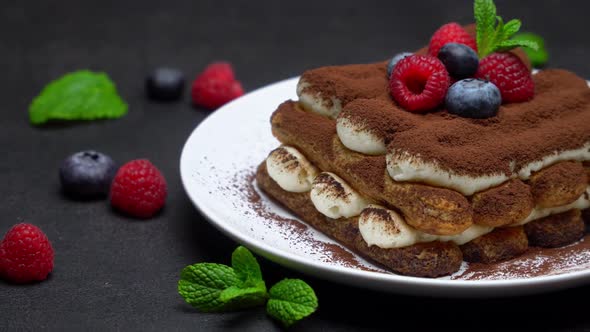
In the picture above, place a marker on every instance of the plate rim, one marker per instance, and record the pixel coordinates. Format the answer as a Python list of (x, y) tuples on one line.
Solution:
[(284, 258)]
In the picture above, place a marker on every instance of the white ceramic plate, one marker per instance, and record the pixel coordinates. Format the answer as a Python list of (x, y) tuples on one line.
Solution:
[(216, 168)]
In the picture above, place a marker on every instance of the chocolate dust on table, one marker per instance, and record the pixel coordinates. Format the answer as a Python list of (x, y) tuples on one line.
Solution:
[(292, 229), (534, 263)]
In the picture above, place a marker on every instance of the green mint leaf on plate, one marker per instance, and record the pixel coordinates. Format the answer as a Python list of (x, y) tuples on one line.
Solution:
[(80, 95), (246, 267), (537, 56), (202, 284), (290, 301), (492, 34)]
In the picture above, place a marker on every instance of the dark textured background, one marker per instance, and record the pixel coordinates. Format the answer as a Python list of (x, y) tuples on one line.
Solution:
[(116, 273)]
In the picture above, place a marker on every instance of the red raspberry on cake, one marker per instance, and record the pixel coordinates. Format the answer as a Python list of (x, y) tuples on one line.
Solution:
[(450, 33), (139, 189), (509, 74), (26, 255), (216, 86), (419, 83)]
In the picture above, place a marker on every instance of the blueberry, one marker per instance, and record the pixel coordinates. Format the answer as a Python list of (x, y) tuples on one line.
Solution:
[(396, 58), (461, 60), (87, 174), (165, 84), (473, 98)]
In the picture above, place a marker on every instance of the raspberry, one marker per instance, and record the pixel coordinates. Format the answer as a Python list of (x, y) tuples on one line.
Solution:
[(419, 83), (219, 70), (26, 254), (215, 86), (450, 33), (509, 74), (138, 189)]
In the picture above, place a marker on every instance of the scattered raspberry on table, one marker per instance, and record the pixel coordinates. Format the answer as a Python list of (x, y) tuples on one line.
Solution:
[(139, 189), (26, 255), (216, 86)]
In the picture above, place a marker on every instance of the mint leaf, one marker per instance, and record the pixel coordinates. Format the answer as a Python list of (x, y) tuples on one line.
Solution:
[(485, 20), (511, 28), (80, 95), (246, 266), (512, 43), (291, 300), (236, 293), (539, 56), (251, 289), (238, 298), (492, 34), (202, 284)]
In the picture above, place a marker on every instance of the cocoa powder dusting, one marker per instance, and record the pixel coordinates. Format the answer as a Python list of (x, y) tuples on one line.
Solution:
[(534, 263), (331, 188), (356, 81), (289, 161), (556, 119), (513, 199), (255, 201), (295, 230)]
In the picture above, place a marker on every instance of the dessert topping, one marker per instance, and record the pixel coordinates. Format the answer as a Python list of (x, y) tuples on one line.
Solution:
[(450, 33), (419, 83), (395, 60), (537, 57), (510, 75), (492, 34), (473, 98), (26, 255), (460, 60)]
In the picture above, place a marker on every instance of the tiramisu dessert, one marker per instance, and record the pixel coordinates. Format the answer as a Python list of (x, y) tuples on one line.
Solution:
[(453, 153)]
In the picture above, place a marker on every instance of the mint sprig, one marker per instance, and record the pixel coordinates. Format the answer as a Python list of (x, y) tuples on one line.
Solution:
[(212, 287), (80, 95), (538, 57), (246, 266), (492, 34), (201, 285), (291, 300), (250, 291)]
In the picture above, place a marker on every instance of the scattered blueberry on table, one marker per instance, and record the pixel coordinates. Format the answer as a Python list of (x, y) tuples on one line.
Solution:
[(165, 84), (87, 174)]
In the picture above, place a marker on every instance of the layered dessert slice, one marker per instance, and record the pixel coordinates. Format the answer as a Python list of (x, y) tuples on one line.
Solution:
[(419, 189)]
